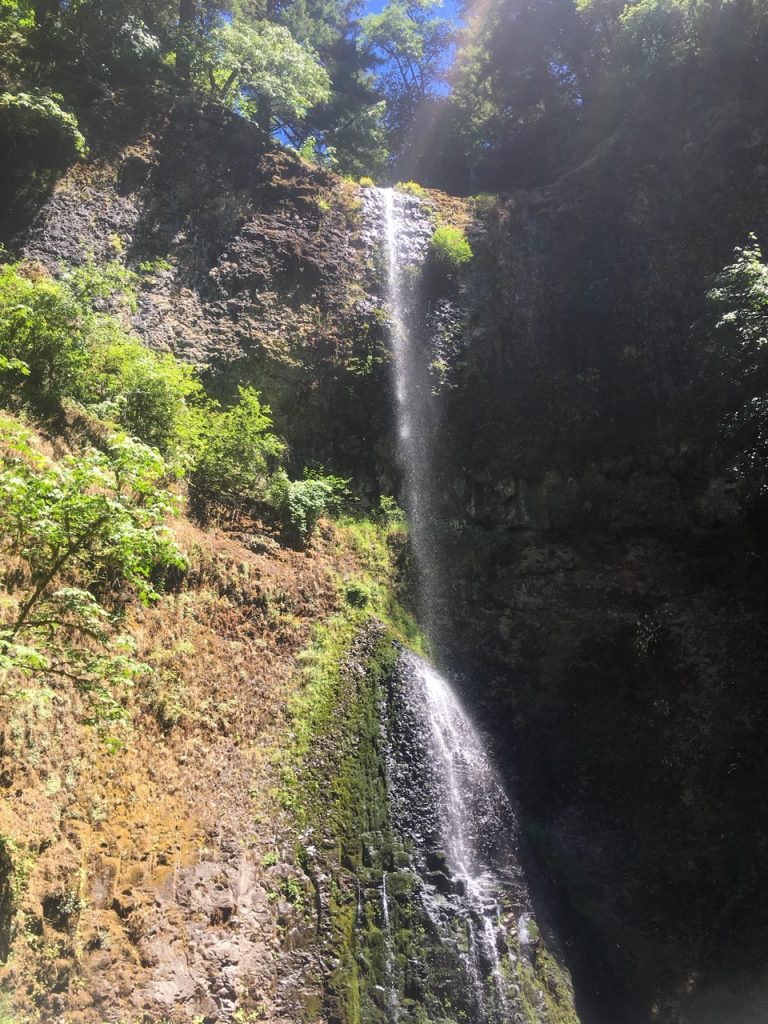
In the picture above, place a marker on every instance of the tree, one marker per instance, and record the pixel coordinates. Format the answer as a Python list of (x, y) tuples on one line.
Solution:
[(411, 47), (260, 70), (238, 454), (350, 123), (519, 82), (72, 529)]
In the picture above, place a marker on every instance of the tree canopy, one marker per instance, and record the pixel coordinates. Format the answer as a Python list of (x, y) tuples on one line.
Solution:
[(514, 92)]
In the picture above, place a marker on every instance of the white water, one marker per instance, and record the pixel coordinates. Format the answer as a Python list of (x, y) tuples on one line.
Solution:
[(475, 820), (407, 233)]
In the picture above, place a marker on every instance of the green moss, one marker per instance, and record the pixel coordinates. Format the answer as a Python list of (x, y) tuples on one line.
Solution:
[(15, 869), (6, 1010), (545, 990), (332, 781)]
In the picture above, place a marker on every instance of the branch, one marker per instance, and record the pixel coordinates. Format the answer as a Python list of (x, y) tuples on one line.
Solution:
[(56, 568)]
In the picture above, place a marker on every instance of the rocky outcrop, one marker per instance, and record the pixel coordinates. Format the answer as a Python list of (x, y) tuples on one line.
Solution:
[(251, 262), (152, 874)]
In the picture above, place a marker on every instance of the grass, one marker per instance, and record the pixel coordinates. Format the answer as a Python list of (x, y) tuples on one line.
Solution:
[(320, 708)]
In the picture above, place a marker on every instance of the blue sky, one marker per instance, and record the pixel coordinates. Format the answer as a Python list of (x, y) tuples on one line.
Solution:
[(450, 7)]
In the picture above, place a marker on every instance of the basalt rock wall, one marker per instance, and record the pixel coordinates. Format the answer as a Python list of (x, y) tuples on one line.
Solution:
[(604, 569)]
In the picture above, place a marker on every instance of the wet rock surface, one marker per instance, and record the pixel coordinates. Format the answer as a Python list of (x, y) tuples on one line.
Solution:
[(605, 568)]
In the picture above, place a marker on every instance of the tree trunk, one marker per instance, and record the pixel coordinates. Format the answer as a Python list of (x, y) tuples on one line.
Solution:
[(264, 114), (45, 9), (184, 48)]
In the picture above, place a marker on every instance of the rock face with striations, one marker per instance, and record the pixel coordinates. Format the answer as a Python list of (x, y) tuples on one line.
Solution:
[(607, 567), (252, 263)]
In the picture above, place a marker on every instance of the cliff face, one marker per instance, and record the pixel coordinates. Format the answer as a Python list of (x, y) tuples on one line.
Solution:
[(604, 586), (170, 875), (607, 566), (254, 266)]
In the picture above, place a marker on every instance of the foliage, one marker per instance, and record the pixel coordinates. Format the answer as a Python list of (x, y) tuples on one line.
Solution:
[(37, 125), (274, 62), (411, 188), (449, 248), (351, 121), (238, 454), (538, 84), (43, 332), (302, 503), (154, 396), (738, 345), (54, 346), (411, 46), (75, 530), (389, 512), (91, 281), (263, 72), (740, 302), (357, 594)]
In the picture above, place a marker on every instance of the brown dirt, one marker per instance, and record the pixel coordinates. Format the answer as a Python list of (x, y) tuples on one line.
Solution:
[(150, 878)]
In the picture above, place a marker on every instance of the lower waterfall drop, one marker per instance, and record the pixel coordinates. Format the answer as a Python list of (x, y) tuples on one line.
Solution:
[(454, 815)]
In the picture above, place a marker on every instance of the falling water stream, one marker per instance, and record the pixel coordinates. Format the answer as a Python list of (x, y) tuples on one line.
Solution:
[(446, 798)]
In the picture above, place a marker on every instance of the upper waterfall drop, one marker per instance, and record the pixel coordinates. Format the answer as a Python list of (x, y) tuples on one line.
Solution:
[(407, 231)]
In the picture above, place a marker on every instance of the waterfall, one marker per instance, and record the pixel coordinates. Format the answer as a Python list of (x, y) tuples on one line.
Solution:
[(407, 233), (448, 806)]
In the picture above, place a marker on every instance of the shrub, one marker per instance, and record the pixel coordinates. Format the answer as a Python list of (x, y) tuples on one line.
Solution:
[(484, 203), (154, 396), (43, 332), (358, 594), (389, 512), (412, 188), (367, 182), (53, 345), (301, 503), (237, 453), (91, 281), (38, 126), (74, 529), (449, 248)]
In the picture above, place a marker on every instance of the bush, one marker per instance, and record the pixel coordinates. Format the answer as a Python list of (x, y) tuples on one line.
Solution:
[(155, 397), (412, 188), (43, 337), (301, 503), (389, 512), (71, 531), (237, 453), (358, 594), (54, 346), (37, 126), (484, 203), (449, 248)]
